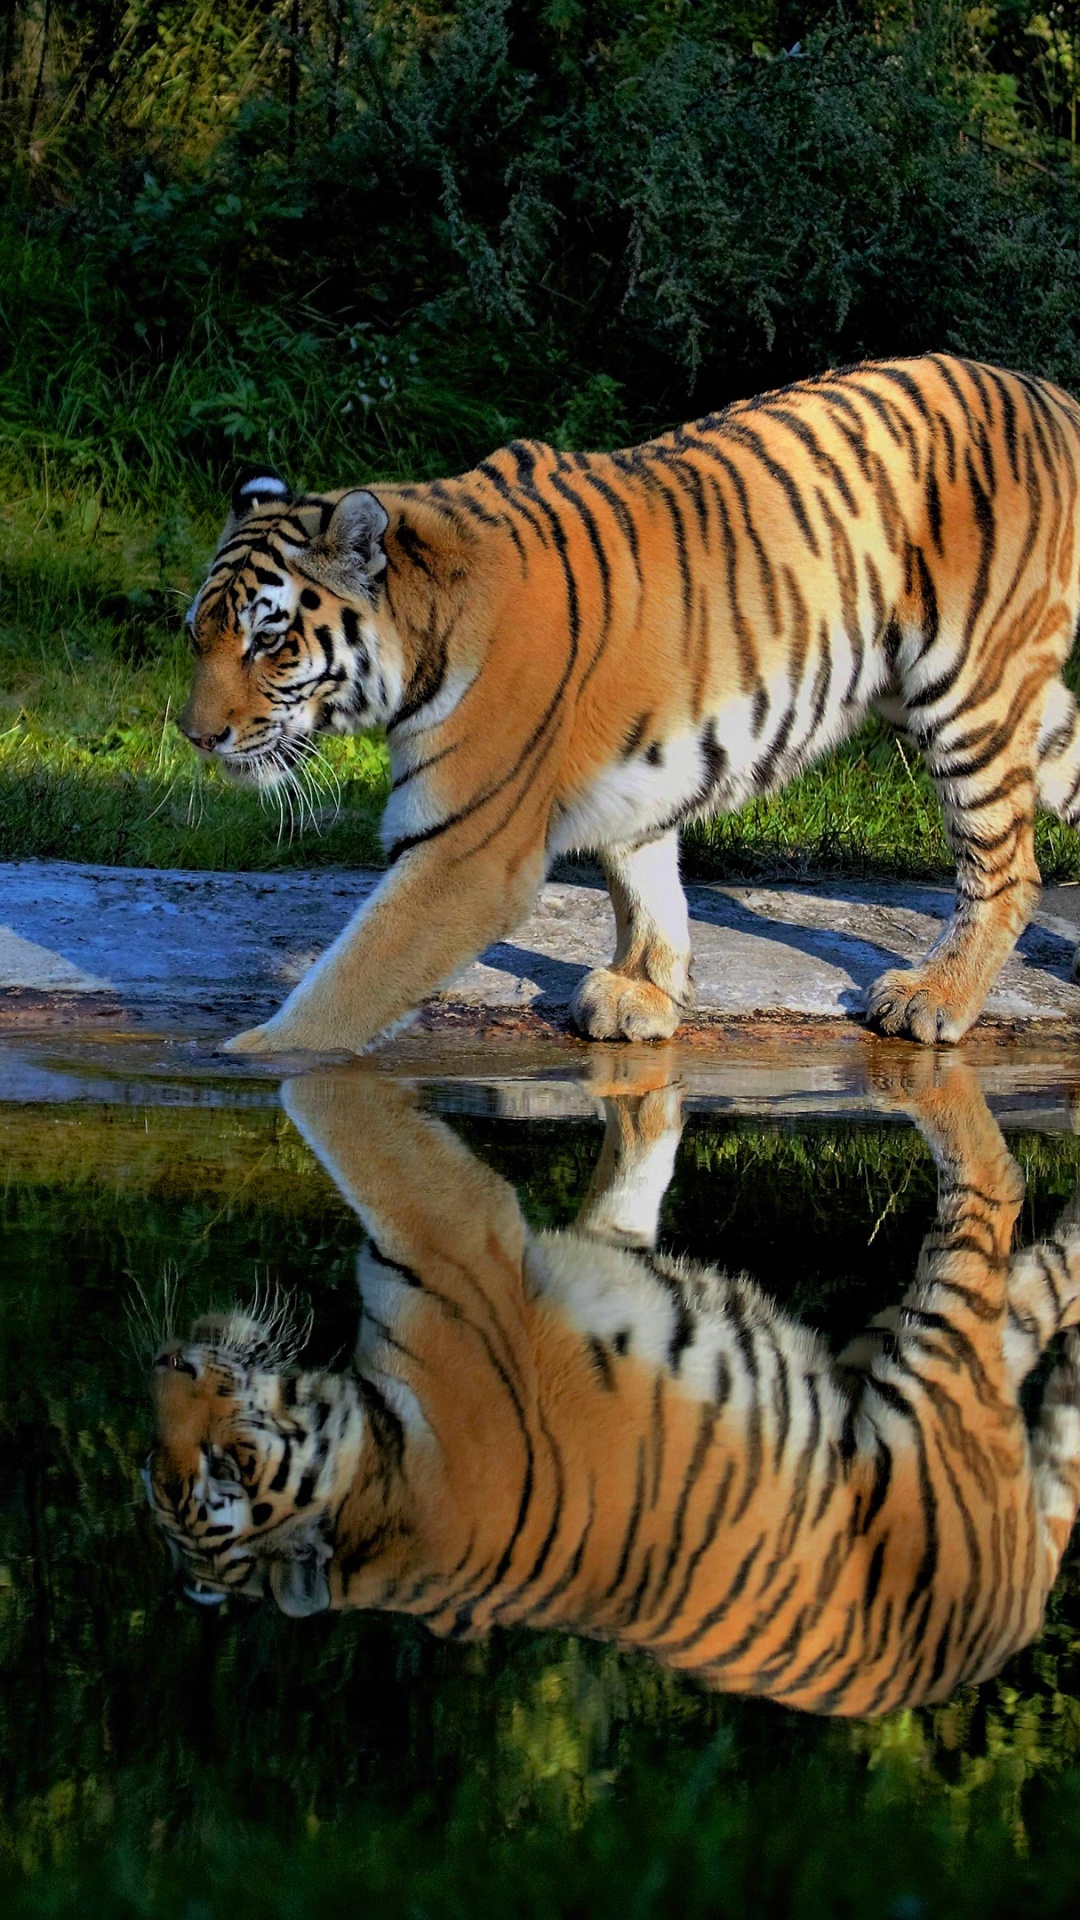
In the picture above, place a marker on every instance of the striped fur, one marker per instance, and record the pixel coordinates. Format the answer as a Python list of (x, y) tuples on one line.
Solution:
[(582, 651), (568, 1429)]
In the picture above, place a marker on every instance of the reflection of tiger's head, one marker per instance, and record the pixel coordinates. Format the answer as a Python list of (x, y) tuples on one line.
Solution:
[(250, 1463), (288, 633)]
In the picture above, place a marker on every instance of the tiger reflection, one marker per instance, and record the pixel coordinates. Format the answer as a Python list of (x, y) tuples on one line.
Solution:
[(570, 1429)]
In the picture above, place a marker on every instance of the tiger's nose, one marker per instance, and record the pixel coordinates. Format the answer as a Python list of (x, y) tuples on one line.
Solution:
[(206, 742)]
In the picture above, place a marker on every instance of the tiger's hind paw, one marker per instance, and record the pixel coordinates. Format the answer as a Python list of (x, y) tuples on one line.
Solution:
[(612, 1006), (910, 1004)]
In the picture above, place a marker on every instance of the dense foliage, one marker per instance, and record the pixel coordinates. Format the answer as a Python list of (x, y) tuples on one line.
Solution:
[(370, 237)]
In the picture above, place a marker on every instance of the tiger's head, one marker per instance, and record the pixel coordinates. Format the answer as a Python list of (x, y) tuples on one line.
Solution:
[(286, 628), (250, 1464)]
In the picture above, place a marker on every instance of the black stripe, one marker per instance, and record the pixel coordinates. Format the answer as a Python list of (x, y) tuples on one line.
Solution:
[(744, 1340), (1008, 413), (746, 437), (637, 1507), (513, 499), (708, 1535), (822, 459), (600, 1360), (573, 1567), (637, 465), (673, 1649), (541, 1558), (873, 1575), (627, 526), (984, 520), (758, 1625), (707, 1419), (768, 578)]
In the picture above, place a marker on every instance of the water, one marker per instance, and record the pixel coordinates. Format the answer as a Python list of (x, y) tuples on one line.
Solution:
[(158, 1756)]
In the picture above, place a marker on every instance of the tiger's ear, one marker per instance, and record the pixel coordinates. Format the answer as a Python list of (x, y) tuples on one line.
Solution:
[(350, 552), (254, 486)]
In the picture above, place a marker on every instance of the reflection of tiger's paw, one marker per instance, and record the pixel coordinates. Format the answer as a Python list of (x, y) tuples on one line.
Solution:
[(913, 1003), (941, 1093), (612, 1006), (659, 1114), (622, 1072), (904, 1078)]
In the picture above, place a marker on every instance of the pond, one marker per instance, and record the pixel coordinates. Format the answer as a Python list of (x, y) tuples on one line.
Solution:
[(642, 1600)]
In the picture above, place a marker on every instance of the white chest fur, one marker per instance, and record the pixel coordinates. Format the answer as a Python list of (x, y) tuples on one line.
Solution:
[(635, 796)]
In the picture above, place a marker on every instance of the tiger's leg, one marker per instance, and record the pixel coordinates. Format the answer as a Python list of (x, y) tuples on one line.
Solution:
[(637, 1160), (1059, 765), (929, 1380), (1055, 1451), (426, 1200), (1044, 1300), (1044, 1293), (980, 1190), (985, 780), (437, 908), (646, 990)]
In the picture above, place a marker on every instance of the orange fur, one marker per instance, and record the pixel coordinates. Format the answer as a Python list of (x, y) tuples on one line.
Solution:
[(569, 1430), (584, 650)]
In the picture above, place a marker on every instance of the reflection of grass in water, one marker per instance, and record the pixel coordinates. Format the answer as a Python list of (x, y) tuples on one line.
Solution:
[(234, 1156), (692, 1830), (152, 1758)]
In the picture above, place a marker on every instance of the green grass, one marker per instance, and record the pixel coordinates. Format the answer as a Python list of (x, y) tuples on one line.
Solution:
[(93, 669)]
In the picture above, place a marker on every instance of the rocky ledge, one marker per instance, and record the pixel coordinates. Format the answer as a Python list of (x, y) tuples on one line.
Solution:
[(163, 947)]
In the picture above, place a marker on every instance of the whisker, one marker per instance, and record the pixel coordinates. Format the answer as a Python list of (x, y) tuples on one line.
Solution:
[(150, 1330)]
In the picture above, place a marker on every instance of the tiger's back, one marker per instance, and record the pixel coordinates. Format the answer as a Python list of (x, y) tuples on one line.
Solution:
[(739, 591)]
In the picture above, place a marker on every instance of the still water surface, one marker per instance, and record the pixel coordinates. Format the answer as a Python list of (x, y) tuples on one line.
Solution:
[(639, 1523)]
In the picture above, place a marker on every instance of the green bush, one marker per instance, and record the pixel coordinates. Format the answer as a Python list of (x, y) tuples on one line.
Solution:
[(372, 239), (413, 234)]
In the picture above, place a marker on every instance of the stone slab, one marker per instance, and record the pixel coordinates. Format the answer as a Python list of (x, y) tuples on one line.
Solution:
[(154, 945)]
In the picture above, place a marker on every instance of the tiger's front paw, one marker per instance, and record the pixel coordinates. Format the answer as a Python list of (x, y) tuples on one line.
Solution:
[(288, 1034), (912, 1004), (253, 1040), (612, 1006)]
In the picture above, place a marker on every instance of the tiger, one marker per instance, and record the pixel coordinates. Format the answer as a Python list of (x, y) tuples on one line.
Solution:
[(568, 1429), (579, 652)]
